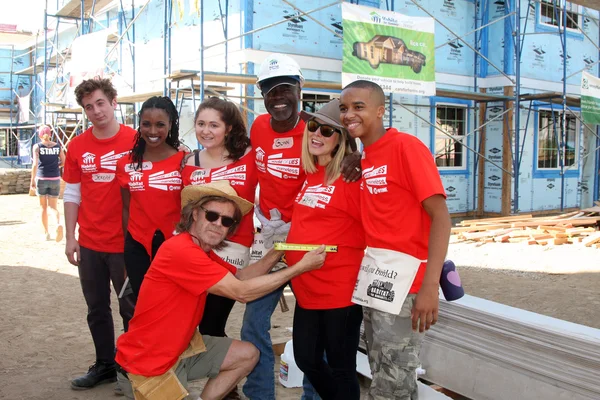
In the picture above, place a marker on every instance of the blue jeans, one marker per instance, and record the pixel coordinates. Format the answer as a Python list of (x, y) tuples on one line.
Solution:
[(260, 384)]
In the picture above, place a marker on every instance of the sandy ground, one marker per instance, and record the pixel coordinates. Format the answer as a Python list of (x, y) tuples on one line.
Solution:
[(44, 339), (560, 281)]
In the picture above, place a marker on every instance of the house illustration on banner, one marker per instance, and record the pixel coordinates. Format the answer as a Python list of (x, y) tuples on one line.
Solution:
[(388, 50)]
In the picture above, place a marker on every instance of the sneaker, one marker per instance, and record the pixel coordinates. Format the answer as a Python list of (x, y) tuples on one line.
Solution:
[(48, 237), (100, 372), (118, 391), (59, 233)]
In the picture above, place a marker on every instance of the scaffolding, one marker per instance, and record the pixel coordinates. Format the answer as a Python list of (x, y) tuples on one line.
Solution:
[(195, 85)]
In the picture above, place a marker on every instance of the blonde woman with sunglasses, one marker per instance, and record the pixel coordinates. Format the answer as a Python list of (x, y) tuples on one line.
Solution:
[(327, 211)]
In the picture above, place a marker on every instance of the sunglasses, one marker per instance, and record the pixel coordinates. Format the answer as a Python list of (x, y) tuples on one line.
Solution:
[(326, 130), (212, 216)]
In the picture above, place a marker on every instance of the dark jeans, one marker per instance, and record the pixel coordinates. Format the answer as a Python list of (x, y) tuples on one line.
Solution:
[(335, 331), (216, 312), (96, 271), (137, 259)]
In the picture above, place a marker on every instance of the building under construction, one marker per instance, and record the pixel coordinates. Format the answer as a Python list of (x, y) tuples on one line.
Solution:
[(504, 126)]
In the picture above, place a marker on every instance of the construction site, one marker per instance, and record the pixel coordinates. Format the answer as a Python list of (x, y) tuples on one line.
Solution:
[(519, 165)]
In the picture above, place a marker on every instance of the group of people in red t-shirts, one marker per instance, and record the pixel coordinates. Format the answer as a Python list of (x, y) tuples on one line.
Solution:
[(180, 224)]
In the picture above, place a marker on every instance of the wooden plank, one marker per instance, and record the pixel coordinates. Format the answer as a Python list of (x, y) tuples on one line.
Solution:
[(503, 237), (552, 228), (524, 233), (507, 153), (517, 239), (477, 228), (481, 160), (73, 7), (542, 237), (495, 219), (559, 234), (577, 231), (574, 222), (592, 239), (478, 235), (566, 215), (137, 97)]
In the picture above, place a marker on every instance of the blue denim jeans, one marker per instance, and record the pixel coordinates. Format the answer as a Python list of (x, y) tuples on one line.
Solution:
[(260, 384)]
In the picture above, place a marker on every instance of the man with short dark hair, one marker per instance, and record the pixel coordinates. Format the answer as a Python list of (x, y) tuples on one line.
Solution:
[(162, 346), (401, 187), (92, 199)]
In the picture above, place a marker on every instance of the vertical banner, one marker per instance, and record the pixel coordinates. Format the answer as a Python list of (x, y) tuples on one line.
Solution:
[(590, 98), (393, 50), (25, 151)]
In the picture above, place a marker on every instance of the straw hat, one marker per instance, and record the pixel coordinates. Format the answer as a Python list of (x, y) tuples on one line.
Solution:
[(220, 188)]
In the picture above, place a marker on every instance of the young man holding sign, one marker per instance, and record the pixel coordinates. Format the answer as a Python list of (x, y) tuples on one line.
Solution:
[(407, 227)]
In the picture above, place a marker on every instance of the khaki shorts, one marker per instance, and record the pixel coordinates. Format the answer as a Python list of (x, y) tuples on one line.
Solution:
[(204, 365)]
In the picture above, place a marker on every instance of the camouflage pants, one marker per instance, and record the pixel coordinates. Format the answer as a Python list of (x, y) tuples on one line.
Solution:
[(393, 349)]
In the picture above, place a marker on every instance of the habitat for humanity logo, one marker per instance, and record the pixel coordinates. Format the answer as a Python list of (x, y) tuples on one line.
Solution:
[(379, 19)]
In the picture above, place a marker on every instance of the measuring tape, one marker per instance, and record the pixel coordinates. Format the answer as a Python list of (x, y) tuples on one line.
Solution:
[(303, 247)]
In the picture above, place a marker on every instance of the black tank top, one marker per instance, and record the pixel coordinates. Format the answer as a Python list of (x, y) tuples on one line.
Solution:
[(48, 161)]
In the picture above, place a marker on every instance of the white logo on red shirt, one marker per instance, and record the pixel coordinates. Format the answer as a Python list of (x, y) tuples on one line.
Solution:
[(109, 160), (233, 175), (283, 143), (285, 168), (260, 157), (89, 165), (136, 176), (317, 196), (166, 182), (376, 179), (88, 158)]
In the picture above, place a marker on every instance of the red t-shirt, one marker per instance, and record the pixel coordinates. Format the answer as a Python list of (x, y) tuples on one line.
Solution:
[(155, 201), (327, 214), (280, 172), (242, 177), (169, 307), (398, 173), (93, 162)]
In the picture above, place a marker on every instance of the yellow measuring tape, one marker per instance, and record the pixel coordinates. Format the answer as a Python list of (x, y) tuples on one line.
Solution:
[(303, 247)]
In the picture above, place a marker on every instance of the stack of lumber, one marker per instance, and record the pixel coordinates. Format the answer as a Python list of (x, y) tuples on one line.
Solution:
[(578, 227), (13, 181), (489, 351)]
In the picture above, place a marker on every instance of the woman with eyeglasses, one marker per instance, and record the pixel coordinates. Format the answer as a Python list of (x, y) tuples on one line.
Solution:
[(327, 211), (226, 155), (150, 181)]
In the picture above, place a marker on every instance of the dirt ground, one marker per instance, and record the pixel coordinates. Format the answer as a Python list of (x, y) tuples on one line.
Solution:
[(44, 338)]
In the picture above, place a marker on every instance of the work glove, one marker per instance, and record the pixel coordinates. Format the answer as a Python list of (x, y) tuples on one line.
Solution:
[(273, 229)]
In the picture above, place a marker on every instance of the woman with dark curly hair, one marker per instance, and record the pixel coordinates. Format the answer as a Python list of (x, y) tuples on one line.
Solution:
[(150, 181), (226, 155)]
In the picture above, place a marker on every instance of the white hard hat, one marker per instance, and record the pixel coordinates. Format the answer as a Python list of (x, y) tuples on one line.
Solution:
[(279, 65)]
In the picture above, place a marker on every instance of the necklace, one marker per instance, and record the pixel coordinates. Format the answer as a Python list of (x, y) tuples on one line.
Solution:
[(295, 125)]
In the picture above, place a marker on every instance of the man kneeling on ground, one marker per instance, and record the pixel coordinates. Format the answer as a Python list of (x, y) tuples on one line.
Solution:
[(162, 350)]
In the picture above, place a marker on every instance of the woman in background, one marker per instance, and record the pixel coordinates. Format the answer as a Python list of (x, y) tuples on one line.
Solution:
[(48, 157)]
